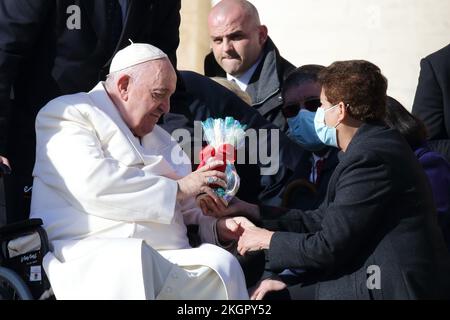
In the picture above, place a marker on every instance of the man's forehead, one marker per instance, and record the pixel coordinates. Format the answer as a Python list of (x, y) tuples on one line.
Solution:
[(309, 87), (223, 22)]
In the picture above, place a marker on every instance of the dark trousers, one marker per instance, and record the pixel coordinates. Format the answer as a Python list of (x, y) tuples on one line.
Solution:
[(298, 288), (253, 266)]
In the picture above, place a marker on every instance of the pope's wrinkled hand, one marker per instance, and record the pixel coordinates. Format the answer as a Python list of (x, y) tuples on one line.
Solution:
[(231, 228), (200, 180), (236, 207)]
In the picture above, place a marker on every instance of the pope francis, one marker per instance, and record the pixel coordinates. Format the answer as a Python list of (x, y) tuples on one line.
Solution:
[(114, 200)]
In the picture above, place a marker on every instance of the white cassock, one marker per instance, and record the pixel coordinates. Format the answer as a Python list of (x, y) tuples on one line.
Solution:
[(108, 202)]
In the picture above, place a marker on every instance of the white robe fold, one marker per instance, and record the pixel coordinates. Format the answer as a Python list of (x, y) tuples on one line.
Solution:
[(108, 202)]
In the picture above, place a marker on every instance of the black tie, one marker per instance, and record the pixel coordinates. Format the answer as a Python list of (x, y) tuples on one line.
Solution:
[(114, 16)]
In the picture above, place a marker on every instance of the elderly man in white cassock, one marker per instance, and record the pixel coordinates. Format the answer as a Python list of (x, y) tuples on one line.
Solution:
[(116, 192)]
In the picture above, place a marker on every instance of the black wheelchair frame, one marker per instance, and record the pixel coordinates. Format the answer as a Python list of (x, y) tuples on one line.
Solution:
[(22, 276)]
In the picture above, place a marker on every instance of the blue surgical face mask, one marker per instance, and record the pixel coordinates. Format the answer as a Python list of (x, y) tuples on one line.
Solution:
[(325, 133), (301, 129)]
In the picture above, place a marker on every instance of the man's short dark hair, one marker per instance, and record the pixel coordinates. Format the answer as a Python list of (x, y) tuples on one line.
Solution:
[(303, 74)]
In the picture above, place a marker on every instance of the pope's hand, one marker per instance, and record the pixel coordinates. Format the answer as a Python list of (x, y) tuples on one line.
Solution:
[(236, 207), (230, 229), (200, 180)]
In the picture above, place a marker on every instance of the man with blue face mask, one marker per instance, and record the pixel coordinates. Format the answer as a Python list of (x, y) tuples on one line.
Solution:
[(307, 185), (303, 131)]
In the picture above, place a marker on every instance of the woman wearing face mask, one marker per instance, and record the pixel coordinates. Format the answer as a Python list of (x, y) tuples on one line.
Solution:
[(375, 236), (307, 186)]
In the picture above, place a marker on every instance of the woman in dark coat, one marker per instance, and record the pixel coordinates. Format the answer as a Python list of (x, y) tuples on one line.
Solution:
[(375, 236)]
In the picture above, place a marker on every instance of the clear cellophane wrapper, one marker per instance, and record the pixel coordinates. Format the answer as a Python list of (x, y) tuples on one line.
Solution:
[(224, 137)]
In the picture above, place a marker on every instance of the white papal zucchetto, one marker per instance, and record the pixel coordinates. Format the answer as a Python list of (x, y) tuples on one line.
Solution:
[(134, 54)]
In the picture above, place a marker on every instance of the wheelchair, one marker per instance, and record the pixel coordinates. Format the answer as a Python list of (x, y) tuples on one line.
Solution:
[(22, 247)]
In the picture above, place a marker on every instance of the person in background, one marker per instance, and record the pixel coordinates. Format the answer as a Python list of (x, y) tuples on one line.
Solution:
[(307, 185), (432, 99), (242, 52), (436, 167)]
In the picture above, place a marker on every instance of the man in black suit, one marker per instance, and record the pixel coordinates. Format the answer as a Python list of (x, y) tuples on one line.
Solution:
[(432, 100), (375, 236), (243, 52), (307, 186), (52, 48)]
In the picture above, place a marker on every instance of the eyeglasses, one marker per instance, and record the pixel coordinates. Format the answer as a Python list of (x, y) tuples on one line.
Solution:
[(291, 110)]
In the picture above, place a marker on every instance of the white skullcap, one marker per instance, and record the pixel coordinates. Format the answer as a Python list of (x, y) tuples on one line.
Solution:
[(134, 54)]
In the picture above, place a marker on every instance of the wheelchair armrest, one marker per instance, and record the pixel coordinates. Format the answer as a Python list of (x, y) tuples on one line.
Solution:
[(22, 248), (19, 228)]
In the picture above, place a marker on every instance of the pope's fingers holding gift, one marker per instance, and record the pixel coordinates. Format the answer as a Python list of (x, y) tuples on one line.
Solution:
[(224, 138), (200, 180)]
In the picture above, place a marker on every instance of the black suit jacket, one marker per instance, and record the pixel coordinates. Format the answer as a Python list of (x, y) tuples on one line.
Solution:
[(378, 211), (300, 198), (432, 100), (41, 58)]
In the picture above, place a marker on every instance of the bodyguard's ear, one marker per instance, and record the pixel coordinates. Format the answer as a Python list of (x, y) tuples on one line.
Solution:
[(262, 34), (123, 86)]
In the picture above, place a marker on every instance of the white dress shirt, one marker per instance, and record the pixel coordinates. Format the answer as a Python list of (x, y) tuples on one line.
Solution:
[(243, 80)]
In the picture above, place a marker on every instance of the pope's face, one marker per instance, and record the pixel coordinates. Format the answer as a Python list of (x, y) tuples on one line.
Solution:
[(148, 96)]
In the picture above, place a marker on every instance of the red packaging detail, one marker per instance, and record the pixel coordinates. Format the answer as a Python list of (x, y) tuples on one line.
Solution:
[(224, 152)]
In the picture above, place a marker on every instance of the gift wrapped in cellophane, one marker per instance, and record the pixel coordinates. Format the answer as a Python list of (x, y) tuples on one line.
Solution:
[(224, 138)]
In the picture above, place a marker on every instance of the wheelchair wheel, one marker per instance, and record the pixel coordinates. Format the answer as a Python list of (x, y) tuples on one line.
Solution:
[(12, 287)]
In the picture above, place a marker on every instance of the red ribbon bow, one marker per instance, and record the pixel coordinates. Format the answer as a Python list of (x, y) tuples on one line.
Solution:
[(225, 152)]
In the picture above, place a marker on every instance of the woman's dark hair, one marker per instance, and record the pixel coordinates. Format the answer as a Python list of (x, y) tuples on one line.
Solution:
[(360, 85), (411, 128)]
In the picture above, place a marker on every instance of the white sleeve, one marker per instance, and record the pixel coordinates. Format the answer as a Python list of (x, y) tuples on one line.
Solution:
[(70, 159), (206, 225)]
